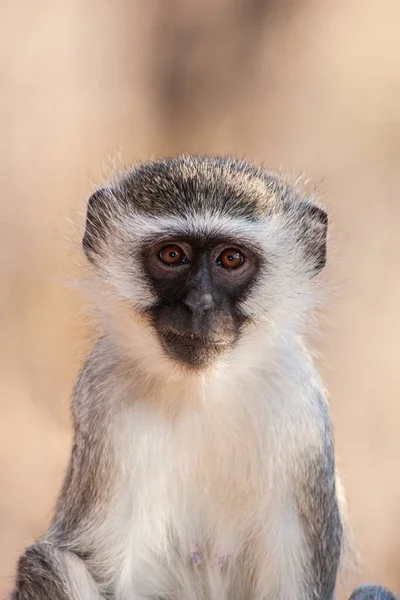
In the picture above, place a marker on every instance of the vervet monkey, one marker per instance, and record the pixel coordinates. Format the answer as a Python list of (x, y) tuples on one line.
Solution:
[(203, 463)]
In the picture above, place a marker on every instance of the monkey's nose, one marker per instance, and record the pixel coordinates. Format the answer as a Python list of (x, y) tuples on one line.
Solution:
[(199, 301)]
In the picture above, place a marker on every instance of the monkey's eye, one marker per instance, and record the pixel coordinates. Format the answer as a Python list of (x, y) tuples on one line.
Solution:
[(172, 255), (230, 259)]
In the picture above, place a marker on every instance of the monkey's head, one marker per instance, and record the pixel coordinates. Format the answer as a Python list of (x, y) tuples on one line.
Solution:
[(193, 254)]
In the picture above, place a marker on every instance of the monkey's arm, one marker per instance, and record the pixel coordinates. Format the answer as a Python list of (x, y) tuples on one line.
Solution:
[(62, 565), (320, 513), (48, 573), (53, 568)]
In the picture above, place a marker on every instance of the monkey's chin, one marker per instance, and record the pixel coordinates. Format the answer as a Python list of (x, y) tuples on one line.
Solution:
[(193, 352)]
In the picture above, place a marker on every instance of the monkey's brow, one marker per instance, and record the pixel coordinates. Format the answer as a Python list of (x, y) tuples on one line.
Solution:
[(202, 239), (196, 224)]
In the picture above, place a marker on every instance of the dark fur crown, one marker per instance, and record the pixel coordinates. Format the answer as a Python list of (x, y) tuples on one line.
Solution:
[(205, 185), (223, 185)]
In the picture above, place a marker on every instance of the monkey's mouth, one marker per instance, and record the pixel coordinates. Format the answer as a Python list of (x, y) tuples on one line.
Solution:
[(192, 349), (195, 338)]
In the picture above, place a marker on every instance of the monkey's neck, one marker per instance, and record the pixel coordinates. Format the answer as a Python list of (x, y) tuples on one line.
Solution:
[(246, 373)]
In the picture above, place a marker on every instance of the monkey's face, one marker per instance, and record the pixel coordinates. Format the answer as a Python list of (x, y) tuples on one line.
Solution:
[(196, 258), (199, 283)]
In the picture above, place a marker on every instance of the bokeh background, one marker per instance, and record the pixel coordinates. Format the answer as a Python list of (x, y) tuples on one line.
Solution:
[(304, 86)]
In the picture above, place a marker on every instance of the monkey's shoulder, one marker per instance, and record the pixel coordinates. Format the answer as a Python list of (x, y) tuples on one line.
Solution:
[(100, 385)]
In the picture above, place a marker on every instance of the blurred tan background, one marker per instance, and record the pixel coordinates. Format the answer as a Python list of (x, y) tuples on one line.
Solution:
[(303, 86)]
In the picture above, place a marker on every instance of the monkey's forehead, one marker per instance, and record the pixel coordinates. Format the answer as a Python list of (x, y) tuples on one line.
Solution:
[(199, 184)]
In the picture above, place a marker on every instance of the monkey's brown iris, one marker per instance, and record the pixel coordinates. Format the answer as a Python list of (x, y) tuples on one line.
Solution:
[(231, 259), (172, 255)]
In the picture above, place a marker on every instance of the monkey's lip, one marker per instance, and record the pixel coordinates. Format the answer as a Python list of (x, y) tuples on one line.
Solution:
[(172, 335), (193, 350)]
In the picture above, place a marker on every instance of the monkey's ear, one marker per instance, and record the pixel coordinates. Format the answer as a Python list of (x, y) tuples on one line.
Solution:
[(98, 216), (312, 226)]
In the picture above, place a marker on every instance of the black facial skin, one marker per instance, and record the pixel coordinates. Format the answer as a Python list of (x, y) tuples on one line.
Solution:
[(197, 315)]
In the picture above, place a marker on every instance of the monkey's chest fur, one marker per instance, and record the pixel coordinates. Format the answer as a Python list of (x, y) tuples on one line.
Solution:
[(194, 504)]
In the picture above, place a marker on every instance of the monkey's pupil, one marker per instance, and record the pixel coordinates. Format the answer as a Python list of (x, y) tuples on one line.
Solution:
[(172, 255), (231, 259)]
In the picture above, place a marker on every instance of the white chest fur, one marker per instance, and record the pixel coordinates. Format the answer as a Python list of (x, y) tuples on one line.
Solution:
[(197, 488)]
